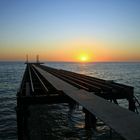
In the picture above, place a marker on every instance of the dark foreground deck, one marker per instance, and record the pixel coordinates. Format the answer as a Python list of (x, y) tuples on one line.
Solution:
[(45, 85)]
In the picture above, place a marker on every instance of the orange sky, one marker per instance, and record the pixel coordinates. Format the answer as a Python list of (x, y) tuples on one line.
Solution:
[(66, 30), (71, 50)]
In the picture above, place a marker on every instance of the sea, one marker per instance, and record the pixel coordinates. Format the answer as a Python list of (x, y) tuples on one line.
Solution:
[(58, 121)]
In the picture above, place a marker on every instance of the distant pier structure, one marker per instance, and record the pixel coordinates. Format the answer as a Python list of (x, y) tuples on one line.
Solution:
[(45, 85), (36, 62), (27, 59), (37, 59)]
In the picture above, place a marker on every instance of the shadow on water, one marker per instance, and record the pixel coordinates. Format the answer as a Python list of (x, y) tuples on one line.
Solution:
[(64, 122)]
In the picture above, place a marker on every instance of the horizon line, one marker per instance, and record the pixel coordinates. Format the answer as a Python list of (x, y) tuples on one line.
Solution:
[(72, 61)]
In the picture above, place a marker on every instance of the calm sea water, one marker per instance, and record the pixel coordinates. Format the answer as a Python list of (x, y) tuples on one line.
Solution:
[(68, 125)]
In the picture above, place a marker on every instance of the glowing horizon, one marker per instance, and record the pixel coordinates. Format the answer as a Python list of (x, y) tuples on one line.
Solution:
[(65, 30)]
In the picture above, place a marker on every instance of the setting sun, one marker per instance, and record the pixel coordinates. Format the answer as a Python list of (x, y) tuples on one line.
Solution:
[(84, 58)]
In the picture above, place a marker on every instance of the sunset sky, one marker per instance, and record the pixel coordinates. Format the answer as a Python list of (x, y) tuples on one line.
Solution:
[(69, 30)]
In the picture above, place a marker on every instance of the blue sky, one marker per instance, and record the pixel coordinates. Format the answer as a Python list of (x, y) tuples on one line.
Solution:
[(58, 20), (44, 19)]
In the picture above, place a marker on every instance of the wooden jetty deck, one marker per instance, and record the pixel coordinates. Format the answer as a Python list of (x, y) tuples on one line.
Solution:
[(45, 85)]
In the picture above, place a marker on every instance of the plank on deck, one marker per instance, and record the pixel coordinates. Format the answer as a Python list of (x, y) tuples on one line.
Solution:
[(123, 121)]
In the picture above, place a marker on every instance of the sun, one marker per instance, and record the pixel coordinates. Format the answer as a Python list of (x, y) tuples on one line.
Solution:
[(83, 58)]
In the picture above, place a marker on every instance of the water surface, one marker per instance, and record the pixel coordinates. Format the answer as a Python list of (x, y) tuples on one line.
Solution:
[(68, 125)]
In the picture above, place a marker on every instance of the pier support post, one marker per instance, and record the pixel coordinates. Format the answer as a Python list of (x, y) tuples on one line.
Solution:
[(22, 118), (130, 98), (90, 119), (19, 123), (132, 105), (72, 105)]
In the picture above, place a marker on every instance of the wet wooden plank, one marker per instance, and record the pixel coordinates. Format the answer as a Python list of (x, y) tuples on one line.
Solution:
[(123, 121)]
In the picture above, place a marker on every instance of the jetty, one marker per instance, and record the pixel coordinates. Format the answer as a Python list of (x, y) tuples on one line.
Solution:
[(98, 97)]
